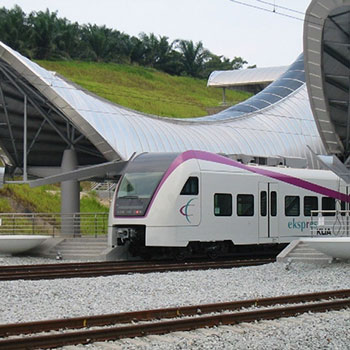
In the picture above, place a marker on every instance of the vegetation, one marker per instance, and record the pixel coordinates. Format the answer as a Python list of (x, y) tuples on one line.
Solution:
[(147, 73), (45, 36), (5, 206), (44, 199), (145, 89)]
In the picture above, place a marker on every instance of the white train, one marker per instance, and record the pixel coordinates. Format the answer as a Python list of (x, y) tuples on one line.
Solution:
[(202, 203)]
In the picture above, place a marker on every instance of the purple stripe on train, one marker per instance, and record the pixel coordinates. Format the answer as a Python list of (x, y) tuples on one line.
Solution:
[(211, 157)]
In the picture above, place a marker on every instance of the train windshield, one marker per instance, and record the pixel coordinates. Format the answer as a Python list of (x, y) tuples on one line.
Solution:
[(139, 183)]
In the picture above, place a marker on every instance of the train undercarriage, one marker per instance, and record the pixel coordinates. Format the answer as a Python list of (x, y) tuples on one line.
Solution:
[(132, 238)]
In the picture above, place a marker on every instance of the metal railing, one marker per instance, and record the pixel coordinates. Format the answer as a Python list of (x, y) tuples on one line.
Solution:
[(53, 224), (103, 186), (330, 223)]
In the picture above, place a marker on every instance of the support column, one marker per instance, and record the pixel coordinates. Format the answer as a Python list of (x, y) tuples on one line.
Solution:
[(70, 197), (25, 126), (223, 96)]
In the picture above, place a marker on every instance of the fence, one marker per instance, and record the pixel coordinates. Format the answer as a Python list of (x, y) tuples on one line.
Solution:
[(331, 223), (82, 224)]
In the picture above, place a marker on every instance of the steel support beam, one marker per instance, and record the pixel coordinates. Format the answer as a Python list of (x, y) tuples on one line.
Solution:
[(25, 125), (71, 130), (36, 136), (339, 26), (336, 84), (39, 109), (7, 120), (337, 56)]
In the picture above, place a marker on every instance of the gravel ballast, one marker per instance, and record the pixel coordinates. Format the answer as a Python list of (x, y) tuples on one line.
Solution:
[(22, 301)]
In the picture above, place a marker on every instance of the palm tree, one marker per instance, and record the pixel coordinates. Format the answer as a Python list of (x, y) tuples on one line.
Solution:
[(68, 39), (14, 30), (97, 38), (44, 33), (193, 56)]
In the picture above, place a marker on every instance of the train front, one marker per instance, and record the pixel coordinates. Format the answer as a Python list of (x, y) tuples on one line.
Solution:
[(132, 200)]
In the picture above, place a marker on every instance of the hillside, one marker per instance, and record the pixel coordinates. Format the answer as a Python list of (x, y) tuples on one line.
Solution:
[(145, 89), (44, 199)]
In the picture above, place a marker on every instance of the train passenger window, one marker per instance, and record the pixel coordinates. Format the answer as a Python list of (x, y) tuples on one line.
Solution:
[(328, 204), (263, 203), (310, 203), (245, 205), (191, 186), (273, 197), (222, 204), (292, 205)]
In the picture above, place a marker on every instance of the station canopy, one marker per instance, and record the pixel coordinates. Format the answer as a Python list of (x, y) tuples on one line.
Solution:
[(327, 66), (251, 79), (42, 114)]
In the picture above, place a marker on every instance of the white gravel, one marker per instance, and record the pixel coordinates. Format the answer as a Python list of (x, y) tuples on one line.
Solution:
[(22, 301)]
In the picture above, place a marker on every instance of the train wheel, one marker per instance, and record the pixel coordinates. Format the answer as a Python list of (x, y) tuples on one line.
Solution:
[(180, 254), (213, 254)]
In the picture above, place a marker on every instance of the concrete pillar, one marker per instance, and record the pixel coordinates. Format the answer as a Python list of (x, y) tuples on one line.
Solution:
[(70, 197)]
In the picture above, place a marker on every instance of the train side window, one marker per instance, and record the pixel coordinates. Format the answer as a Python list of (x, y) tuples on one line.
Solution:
[(191, 186), (310, 203), (222, 204), (263, 203), (292, 205), (273, 196), (245, 205), (328, 204)]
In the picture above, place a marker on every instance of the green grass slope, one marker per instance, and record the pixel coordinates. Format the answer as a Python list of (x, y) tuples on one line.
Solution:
[(144, 89), (43, 199)]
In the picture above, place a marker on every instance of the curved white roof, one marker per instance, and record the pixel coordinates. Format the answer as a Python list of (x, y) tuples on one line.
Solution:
[(277, 121), (326, 50), (251, 76)]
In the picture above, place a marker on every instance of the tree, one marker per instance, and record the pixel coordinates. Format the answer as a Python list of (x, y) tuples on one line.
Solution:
[(119, 47), (14, 30), (215, 63), (238, 63), (221, 63), (68, 39), (43, 34), (159, 53), (194, 56), (97, 40)]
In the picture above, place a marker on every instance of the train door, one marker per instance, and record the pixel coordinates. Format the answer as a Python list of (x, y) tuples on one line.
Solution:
[(345, 221), (345, 205), (268, 219)]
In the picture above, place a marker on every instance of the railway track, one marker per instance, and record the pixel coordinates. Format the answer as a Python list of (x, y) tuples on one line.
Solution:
[(111, 327), (95, 269)]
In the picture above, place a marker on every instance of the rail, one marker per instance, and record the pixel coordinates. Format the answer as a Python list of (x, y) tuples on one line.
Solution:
[(81, 224), (97, 269), (113, 327), (330, 223)]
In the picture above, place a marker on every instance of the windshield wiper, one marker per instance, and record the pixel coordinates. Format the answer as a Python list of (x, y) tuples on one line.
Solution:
[(130, 197)]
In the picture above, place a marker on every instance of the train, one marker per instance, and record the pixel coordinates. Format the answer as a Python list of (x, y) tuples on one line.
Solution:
[(200, 203)]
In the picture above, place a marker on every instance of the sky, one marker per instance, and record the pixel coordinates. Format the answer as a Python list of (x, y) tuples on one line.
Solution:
[(225, 27)]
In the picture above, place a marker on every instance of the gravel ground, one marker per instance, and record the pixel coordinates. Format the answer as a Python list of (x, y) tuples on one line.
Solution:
[(22, 301)]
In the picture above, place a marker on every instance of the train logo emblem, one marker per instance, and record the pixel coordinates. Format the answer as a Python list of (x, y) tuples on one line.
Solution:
[(184, 210)]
